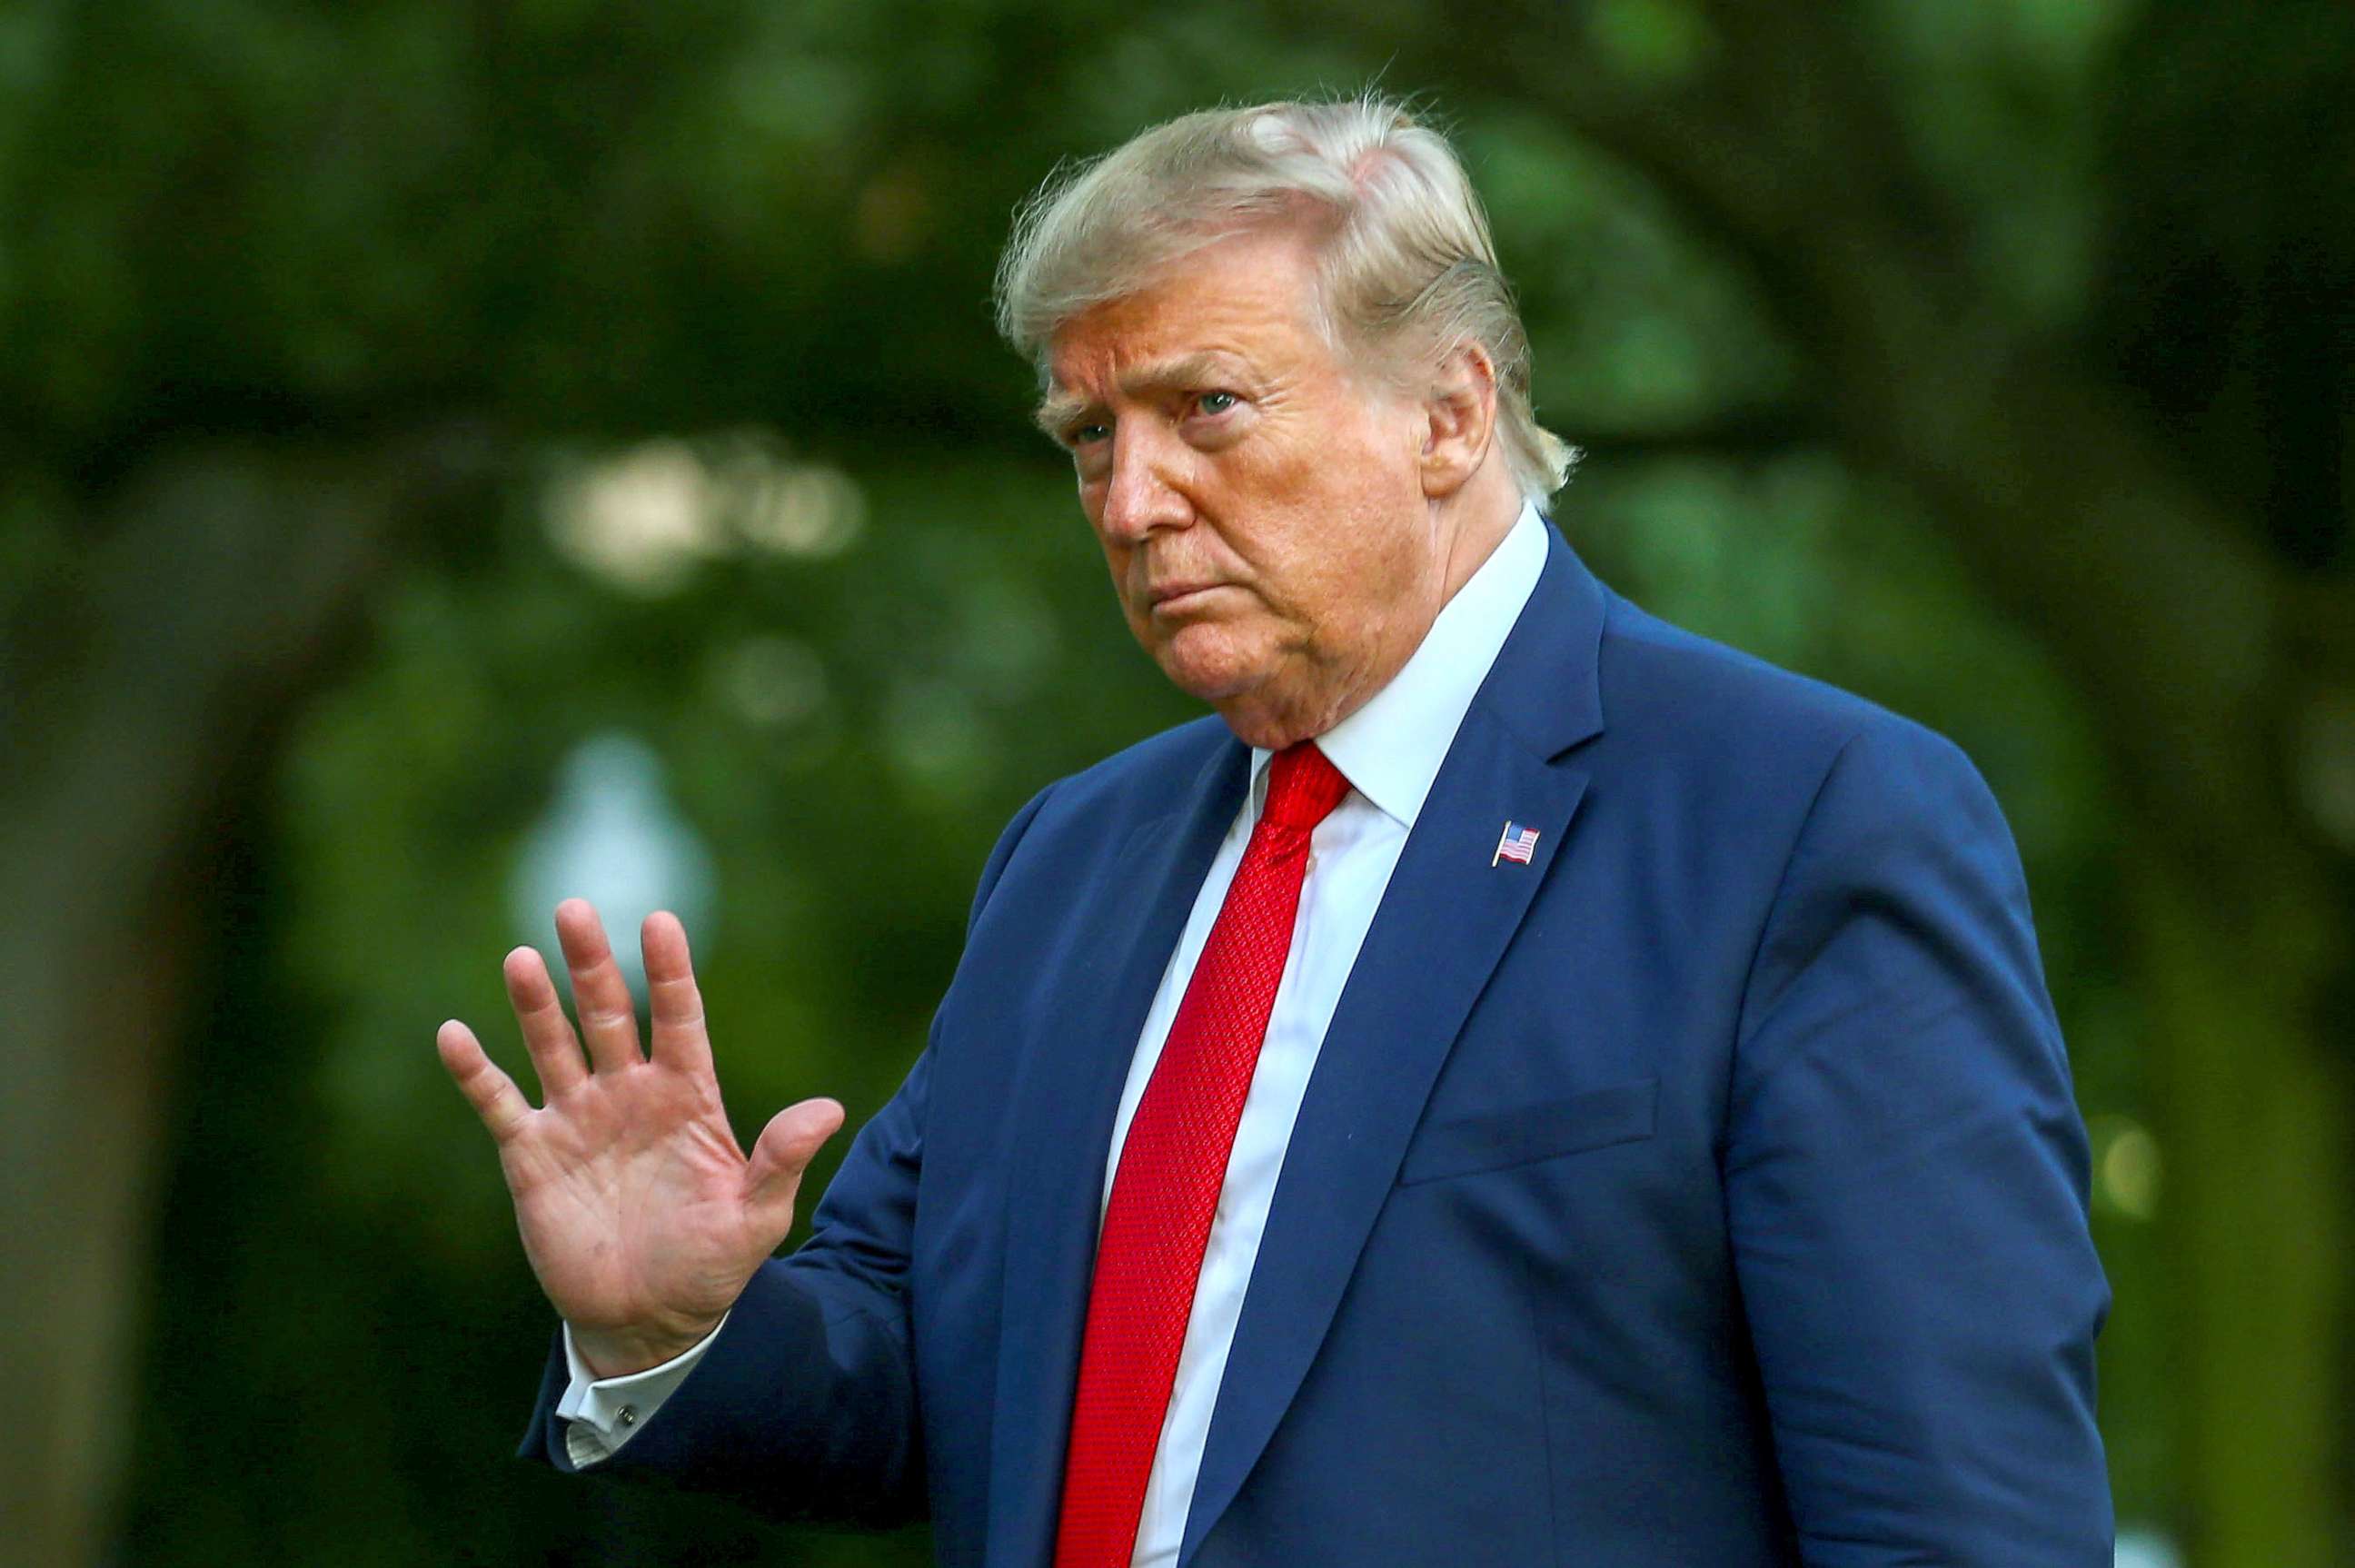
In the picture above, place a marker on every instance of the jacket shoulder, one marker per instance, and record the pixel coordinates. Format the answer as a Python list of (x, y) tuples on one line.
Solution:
[(1143, 770), (1668, 688), (1134, 783)]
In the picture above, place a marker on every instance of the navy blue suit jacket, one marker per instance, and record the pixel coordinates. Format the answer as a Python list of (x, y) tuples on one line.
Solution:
[(1708, 1191)]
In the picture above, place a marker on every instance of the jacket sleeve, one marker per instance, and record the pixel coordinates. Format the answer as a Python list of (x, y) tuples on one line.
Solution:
[(804, 1404), (1905, 1177)]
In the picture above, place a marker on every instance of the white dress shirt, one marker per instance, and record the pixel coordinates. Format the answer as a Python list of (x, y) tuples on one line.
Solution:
[(1389, 750)]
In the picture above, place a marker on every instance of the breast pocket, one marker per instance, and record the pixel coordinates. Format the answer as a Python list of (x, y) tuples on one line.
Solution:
[(1525, 1134)]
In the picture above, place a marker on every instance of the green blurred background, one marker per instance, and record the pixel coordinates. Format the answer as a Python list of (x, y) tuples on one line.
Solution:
[(454, 456)]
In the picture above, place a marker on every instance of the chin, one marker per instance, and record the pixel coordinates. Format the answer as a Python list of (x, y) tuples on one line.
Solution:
[(1255, 726), (1206, 662), (1259, 709)]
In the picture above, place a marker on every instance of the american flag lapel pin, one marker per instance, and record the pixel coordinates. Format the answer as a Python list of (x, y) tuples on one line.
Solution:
[(1517, 844)]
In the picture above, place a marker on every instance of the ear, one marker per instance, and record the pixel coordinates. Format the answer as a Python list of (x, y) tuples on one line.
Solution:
[(1460, 413)]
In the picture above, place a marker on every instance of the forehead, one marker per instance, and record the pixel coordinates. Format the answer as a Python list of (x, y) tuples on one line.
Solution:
[(1250, 298)]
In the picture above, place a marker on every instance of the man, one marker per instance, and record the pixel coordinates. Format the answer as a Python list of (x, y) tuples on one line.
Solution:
[(1522, 1084)]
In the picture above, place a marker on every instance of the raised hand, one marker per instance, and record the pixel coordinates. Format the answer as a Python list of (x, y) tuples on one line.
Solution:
[(640, 1213)]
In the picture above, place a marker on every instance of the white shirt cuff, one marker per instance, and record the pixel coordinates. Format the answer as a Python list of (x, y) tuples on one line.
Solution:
[(605, 1412)]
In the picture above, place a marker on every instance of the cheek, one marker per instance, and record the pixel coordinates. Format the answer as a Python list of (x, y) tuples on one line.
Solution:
[(1340, 506), (1092, 498), (1346, 553)]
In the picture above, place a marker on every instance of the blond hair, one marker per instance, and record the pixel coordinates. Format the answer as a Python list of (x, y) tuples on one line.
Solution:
[(1409, 272)]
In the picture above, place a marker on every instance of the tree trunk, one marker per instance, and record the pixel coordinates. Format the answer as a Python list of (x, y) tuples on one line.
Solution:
[(2254, 1211), (219, 592)]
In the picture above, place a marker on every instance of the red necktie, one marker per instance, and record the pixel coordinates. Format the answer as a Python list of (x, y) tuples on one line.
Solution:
[(1157, 1220)]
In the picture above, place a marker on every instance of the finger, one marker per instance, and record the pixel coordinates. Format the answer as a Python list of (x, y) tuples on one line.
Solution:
[(492, 1093), (786, 1147), (547, 1032), (676, 1004), (609, 1018)]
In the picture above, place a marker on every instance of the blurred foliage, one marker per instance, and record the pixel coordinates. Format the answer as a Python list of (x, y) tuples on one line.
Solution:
[(742, 251)]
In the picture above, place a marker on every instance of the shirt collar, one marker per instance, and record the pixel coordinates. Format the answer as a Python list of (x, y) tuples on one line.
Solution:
[(1391, 749)]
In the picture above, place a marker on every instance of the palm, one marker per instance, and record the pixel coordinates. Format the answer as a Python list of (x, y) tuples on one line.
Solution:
[(640, 1214), (629, 1194)]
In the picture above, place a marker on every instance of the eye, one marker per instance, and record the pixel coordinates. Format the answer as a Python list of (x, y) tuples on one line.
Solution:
[(1216, 403), (1087, 435)]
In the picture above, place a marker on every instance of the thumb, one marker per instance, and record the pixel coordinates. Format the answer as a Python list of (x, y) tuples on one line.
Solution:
[(786, 1146)]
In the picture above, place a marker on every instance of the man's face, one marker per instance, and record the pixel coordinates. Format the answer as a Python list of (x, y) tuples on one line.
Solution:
[(1261, 506)]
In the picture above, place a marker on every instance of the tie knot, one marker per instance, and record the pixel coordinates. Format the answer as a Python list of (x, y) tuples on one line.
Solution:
[(1302, 787)]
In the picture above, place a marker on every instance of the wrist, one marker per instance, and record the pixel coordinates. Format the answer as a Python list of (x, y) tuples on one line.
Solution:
[(625, 1351)]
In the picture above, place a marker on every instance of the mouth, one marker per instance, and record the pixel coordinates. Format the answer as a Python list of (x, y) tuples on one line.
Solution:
[(1178, 598)]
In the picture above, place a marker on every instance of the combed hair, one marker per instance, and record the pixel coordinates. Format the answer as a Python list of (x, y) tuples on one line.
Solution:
[(1409, 273)]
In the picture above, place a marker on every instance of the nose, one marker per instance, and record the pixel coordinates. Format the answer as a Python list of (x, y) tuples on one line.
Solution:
[(1139, 495)]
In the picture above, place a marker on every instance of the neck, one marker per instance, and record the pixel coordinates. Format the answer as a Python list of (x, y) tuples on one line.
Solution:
[(1471, 523)]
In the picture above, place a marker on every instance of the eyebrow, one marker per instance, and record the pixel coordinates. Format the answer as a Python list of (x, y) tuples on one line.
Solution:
[(1056, 411)]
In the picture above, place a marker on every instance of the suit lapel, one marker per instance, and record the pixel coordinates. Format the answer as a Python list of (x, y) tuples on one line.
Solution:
[(1062, 1132), (1445, 919)]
